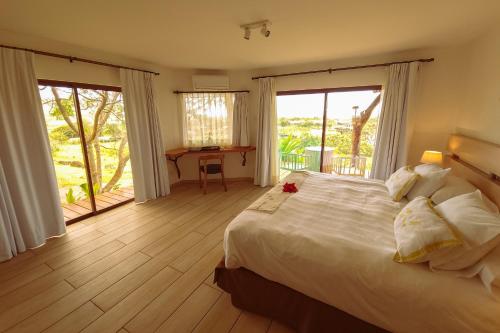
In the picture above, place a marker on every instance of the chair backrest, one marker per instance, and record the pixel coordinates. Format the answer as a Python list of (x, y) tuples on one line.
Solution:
[(206, 158)]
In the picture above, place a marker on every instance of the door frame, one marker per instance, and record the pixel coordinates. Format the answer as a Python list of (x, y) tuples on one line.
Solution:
[(74, 86), (325, 92)]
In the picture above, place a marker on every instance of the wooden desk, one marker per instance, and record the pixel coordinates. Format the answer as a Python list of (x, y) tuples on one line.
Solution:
[(174, 154)]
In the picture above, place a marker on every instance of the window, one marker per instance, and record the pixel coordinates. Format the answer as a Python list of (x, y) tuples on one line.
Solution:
[(207, 119), (328, 130)]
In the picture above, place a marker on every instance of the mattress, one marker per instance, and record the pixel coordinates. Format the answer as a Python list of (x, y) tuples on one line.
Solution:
[(333, 241)]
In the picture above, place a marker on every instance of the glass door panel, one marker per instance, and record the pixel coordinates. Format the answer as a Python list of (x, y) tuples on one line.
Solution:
[(103, 121), (300, 127), (350, 134), (60, 114)]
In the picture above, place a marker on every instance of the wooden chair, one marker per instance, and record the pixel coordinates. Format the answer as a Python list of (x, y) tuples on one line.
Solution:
[(207, 169)]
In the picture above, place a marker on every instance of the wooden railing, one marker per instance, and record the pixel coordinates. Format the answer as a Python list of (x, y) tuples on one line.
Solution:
[(348, 165), (294, 161)]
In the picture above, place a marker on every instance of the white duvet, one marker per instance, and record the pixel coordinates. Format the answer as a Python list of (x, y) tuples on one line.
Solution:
[(334, 241)]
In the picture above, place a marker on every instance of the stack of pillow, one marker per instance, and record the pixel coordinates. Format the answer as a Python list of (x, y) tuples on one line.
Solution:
[(448, 223)]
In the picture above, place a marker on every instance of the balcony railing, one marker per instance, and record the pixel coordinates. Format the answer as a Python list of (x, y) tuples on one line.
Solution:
[(341, 165), (294, 161), (348, 165)]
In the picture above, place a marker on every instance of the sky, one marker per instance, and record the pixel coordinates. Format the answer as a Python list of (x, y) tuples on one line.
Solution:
[(339, 104)]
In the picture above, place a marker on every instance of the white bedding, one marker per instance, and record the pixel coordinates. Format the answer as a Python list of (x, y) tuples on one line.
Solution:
[(334, 241)]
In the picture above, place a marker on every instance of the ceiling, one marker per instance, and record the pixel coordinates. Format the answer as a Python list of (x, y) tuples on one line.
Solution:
[(206, 33)]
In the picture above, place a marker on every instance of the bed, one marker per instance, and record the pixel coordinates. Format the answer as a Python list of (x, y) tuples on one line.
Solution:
[(333, 242)]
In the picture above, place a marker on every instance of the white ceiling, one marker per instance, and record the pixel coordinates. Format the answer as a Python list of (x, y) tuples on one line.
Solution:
[(206, 33)]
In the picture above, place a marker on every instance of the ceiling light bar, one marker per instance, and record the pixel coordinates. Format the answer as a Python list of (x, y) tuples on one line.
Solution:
[(262, 25)]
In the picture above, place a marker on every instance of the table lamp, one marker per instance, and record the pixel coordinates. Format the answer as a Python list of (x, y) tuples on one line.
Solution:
[(432, 157)]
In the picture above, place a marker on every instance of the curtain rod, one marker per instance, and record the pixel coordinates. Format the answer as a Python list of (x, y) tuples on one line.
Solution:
[(71, 58), (210, 91), (330, 70)]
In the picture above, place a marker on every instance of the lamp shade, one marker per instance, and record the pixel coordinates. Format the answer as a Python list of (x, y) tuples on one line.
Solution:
[(432, 157)]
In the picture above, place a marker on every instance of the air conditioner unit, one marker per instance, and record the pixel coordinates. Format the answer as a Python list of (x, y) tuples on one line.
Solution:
[(210, 82)]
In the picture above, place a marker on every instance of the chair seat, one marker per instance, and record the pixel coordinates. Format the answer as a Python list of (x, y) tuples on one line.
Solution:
[(211, 168)]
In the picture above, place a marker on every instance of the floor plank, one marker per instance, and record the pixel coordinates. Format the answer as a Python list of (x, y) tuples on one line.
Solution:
[(251, 323), (137, 268), (40, 285), (220, 318), (149, 319), (118, 316), (187, 316), (76, 320), (56, 311)]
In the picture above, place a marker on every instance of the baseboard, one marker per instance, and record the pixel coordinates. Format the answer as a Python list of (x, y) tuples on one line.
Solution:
[(215, 180)]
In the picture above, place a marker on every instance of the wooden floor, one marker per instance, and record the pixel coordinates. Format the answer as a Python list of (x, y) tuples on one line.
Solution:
[(102, 201), (139, 268)]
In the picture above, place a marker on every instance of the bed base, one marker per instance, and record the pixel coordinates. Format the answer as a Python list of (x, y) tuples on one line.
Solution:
[(302, 313)]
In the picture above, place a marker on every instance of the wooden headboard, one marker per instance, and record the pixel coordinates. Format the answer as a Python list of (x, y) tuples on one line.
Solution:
[(477, 161)]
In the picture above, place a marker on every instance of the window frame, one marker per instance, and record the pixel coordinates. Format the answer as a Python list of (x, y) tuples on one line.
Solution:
[(326, 91), (75, 86)]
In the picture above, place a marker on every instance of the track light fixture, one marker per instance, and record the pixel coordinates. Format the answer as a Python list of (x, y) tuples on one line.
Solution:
[(247, 34), (263, 25), (265, 31)]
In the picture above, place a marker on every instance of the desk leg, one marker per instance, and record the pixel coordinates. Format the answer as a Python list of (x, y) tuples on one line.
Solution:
[(244, 158), (176, 166)]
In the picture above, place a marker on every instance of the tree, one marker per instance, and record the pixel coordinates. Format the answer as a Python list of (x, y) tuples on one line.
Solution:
[(358, 122), (101, 105)]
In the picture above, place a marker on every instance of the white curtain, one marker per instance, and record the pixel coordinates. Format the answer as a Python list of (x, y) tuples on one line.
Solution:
[(396, 120), (147, 157), (240, 120), (207, 119), (30, 210), (266, 161)]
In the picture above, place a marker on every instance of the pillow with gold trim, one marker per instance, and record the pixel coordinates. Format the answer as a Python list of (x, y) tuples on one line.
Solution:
[(421, 233), (401, 182)]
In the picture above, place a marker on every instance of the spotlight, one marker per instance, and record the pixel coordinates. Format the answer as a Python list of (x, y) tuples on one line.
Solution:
[(247, 34), (264, 31), (262, 25)]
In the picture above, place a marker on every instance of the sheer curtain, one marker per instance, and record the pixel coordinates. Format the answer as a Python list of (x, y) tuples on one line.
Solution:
[(266, 157), (240, 120), (396, 120), (30, 210), (207, 119), (147, 157)]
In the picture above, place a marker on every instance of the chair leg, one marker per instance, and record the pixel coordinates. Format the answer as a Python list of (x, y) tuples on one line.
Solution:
[(199, 177), (205, 183), (223, 181)]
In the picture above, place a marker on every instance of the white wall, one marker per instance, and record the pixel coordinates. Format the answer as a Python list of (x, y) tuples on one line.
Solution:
[(459, 91), (479, 115)]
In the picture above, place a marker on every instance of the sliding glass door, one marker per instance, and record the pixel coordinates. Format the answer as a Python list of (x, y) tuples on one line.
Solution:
[(300, 128), (328, 130), (88, 138), (351, 130)]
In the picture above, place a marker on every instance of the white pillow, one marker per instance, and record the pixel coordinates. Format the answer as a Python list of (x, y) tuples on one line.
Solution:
[(421, 233), (422, 169), (428, 183), (401, 182), (456, 186), (478, 227)]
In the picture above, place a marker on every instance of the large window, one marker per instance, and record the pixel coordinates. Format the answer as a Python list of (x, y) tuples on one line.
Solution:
[(207, 119), (328, 130), (88, 139)]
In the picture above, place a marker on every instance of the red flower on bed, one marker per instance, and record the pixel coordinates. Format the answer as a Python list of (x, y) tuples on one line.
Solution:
[(290, 188)]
